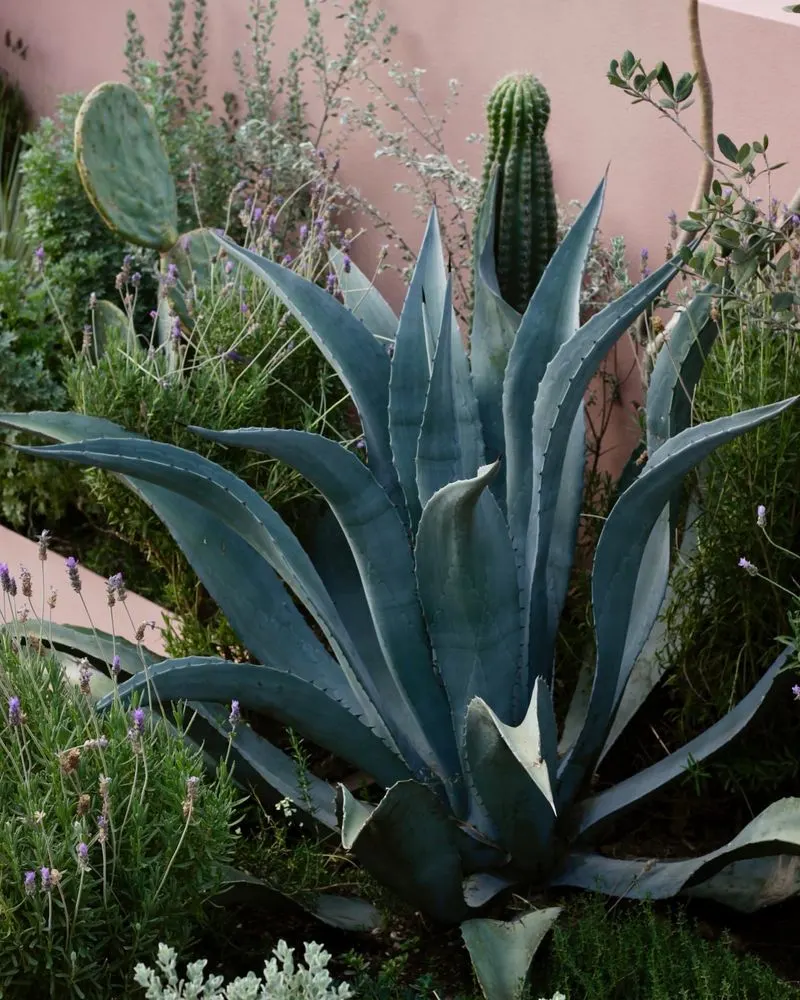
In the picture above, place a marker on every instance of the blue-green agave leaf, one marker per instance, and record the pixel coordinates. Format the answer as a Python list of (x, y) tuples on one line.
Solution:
[(678, 368), (559, 398), (502, 951), (358, 358), (513, 770), (469, 592), (343, 912), (189, 475), (409, 842), (89, 642), (239, 580), (450, 445), (650, 664), (363, 299), (494, 326), (749, 885), (550, 320), (410, 693), (337, 568), (411, 364), (773, 832), (281, 694), (633, 791), (260, 766), (616, 573)]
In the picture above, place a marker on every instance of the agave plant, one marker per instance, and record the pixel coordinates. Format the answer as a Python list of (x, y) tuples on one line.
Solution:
[(437, 582)]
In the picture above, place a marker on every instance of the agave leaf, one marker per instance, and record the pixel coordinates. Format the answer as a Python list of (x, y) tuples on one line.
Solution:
[(363, 299), (636, 789), (411, 366), (649, 667), (615, 575), (279, 693), (231, 501), (89, 642), (449, 446), (409, 691), (494, 326), (678, 368), (469, 592), (773, 832), (502, 951), (512, 768), (342, 912), (550, 320), (482, 887), (359, 360), (748, 886), (337, 568), (250, 594), (409, 842), (259, 765), (559, 398)]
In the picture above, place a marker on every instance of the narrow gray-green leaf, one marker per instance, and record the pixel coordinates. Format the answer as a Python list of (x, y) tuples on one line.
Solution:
[(408, 841), (297, 703), (615, 573), (449, 446), (411, 696), (469, 590), (360, 361), (502, 951), (363, 299), (411, 369)]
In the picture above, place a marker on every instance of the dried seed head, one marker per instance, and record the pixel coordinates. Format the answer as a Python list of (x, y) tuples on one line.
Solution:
[(69, 760), (25, 582), (44, 544), (84, 802)]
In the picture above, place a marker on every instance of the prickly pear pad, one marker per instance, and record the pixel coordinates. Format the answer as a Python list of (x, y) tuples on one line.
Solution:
[(124, 167)]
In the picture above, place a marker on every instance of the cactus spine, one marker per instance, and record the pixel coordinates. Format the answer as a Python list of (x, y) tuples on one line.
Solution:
[(526, 231)]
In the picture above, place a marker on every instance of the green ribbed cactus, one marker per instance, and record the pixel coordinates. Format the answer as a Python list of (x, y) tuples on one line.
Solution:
[(526, 231)]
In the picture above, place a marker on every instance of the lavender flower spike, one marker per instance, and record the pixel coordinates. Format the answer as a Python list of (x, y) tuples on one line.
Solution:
[(761, 516), (15, 716), (30, 882), (5, 578), (72, 572), (747, 566), (236, 714)]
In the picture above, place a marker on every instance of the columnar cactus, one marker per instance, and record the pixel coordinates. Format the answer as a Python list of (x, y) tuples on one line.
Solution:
[(526, 232)]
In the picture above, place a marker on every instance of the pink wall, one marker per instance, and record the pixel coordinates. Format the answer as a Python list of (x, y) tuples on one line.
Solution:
[(74, 44)]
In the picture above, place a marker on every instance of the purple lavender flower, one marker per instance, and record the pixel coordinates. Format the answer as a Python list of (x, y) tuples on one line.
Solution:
[(319, 224), (72, 572), (136, 279), (175, 332), (304, 232), (272, 223), (83, 856), (46, 877), (85, 677), (761, 516), (153, 314), (244, 308), (228, 266), (138, 720), (330, 282), (116, 666), (30, 883), (347, 264), (747, 566), (361, 444), (236, 715), (796, 692), (14, 711), (5, 578), (287, 259), (39, 256), (257, 213)]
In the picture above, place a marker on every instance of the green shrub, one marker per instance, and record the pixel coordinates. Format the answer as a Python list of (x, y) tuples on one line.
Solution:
[(630, 952), (723, 626), (109, 839)]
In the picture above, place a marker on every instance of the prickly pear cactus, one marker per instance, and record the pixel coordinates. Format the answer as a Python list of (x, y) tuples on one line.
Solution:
[(124, 167), (526, 222)]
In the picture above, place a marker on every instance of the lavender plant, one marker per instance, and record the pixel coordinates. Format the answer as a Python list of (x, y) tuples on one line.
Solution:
[(110, 837)]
